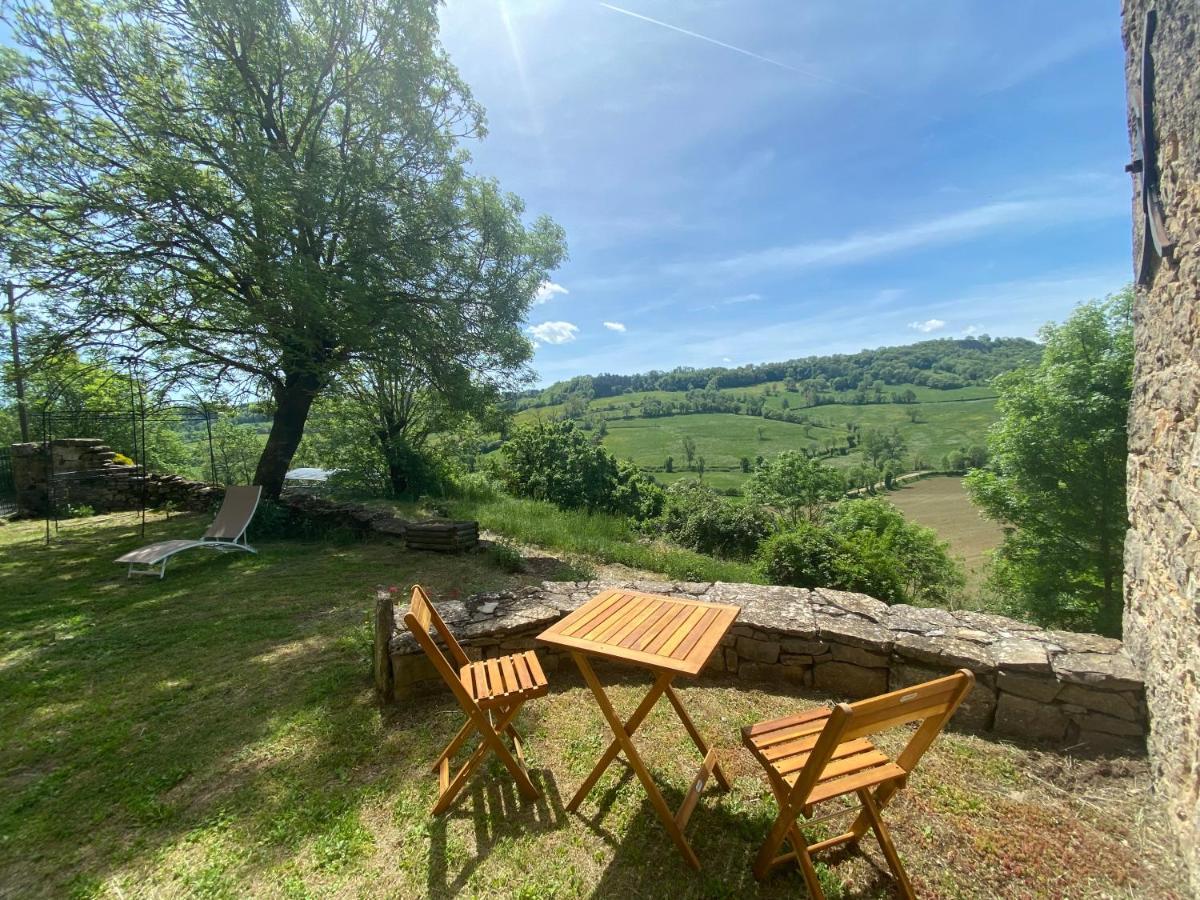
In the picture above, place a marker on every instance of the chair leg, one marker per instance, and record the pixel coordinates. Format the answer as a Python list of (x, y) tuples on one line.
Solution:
[(491, 741), (871, 808), (808, 869), (455, 745)]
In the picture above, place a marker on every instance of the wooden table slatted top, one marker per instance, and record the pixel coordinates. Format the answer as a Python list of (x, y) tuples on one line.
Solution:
[(664, 633)]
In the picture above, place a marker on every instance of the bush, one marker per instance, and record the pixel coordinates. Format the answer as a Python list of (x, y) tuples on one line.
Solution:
[(806, 556), (906, 560), (866, 546), (636, 494), (699, 518), (556, 461), (506, 557)]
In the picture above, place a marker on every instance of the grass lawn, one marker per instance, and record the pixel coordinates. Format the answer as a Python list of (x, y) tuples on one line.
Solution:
[(215, 735), (941, 503), (596, 537)]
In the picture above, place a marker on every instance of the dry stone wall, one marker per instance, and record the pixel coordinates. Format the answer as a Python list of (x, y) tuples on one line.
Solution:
[(84, 472), (1032, 684), (1162, 550)]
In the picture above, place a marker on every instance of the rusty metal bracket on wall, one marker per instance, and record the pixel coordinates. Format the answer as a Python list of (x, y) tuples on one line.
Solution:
[(1144, 167)]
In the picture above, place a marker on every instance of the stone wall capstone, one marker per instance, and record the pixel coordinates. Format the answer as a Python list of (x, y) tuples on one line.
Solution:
[(1162, 548), (1057, 686)]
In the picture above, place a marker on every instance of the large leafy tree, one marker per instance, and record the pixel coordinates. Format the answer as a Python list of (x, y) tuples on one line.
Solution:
[(1057, 470), (265, 189), (799, 486)]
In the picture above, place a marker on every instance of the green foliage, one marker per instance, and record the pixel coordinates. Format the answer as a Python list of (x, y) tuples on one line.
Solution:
[(1057, 471), (271, 191), (235, 448), (507, 557), (795, 484), (935, 365), (699, 518), (89, 397), (924, 571), (636, 494), (597, 535), (557, 462), (804, 556), (867, 546)]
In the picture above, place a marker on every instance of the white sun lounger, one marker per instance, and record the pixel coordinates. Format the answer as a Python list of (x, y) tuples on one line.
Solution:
[(227, 532)]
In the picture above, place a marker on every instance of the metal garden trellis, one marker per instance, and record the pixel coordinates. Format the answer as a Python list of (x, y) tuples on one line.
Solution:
[(137, 415)]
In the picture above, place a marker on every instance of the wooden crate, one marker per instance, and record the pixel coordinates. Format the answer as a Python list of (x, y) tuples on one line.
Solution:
[(442, 537)]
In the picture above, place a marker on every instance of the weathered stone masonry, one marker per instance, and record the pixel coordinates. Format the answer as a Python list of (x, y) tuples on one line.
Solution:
[(1031, 683), (85, 473), (1162, 550)]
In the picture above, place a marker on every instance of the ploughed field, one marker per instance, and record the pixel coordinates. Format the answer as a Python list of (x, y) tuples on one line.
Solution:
[(941, 503), (215, 734)]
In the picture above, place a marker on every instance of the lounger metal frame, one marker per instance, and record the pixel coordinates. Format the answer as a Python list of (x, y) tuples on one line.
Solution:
[(158, 565)]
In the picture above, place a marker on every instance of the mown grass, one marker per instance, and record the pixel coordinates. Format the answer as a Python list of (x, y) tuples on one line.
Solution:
[(599, 537), (215, 735)]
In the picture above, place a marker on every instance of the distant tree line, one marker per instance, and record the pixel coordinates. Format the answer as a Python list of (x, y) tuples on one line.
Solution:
[(942, 364)]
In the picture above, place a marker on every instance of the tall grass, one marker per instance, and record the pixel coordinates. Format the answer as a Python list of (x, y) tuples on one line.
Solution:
[(597, 535)]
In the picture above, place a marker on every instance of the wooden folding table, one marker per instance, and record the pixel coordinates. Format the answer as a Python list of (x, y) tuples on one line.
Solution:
[(668, 635)]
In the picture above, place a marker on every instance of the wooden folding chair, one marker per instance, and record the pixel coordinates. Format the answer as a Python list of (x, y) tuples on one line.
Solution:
[(824, 753), (490, 693)]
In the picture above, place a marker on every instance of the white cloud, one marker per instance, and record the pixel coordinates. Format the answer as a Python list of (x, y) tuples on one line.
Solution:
[(554, 332), (741, 298), (546, 291), (971, 331), (948, 228), (615, 326), (928, 325)]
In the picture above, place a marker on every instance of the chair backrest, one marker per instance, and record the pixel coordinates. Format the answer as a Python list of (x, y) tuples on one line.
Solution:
[(237, 509), (421, 616), (931, 703)]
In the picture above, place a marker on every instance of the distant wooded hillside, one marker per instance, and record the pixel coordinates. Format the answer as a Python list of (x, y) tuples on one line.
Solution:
[(944, 364)]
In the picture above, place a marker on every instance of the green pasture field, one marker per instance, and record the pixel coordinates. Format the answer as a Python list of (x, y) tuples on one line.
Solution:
[(721, 438), (939, 429)]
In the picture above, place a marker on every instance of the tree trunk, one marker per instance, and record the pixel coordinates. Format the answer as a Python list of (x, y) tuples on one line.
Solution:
[(292, 403)]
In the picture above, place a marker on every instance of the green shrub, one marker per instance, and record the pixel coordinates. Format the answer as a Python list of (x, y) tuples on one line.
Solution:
[(905, 559), (507, 557), (866, 546), (556, 461), (805, 556), (700, 518)]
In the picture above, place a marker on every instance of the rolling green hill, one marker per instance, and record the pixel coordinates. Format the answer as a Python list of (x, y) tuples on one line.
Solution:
[(935, 395)]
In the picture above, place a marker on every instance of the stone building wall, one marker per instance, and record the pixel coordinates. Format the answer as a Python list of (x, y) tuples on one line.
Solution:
[(1065, 688), (1162, 551), (85, 473)]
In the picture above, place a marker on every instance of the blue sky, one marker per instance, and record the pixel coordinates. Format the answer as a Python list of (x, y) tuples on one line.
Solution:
[(753, 180)]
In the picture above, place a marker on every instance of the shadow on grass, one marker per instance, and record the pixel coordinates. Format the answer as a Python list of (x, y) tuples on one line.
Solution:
[(227, 707), (726, 842), (498, 814)]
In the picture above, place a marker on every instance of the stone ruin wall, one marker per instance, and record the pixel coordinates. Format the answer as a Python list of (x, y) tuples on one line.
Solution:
[(85, 473), (1162, 550), (1060, 687)]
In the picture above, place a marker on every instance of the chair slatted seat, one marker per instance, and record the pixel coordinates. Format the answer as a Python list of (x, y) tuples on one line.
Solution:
[(497, 682), (490, 692), (821, 754)]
